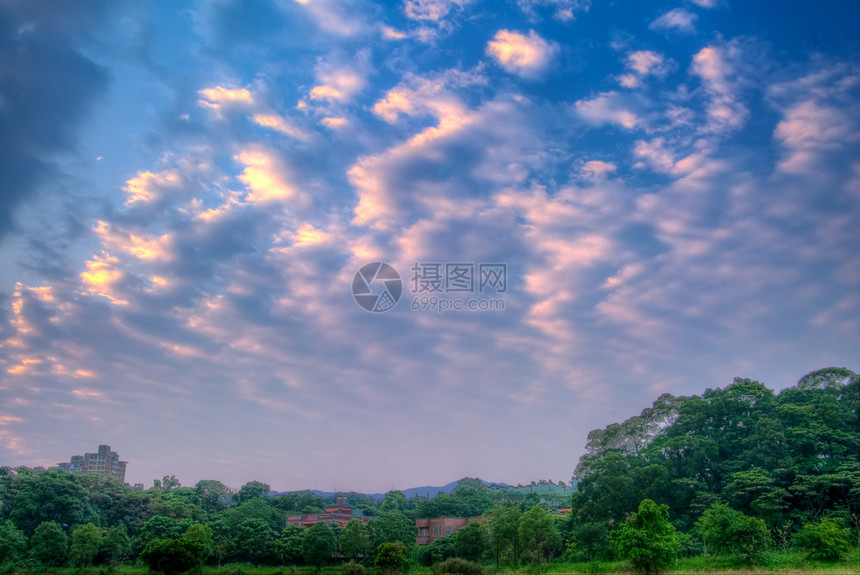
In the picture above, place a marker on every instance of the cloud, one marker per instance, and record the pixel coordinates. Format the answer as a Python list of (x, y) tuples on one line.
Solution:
[(643, 63), (50, 85), (526, 56), (220, 100), (608, 108), (341, 81), (725, 72), (676, 19), (433, 10), (562, 10)]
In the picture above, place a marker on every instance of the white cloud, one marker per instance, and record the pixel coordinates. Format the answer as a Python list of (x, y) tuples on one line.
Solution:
[(676, 19), (608, 108), (724, 73), (219, 99), (526, 56), (562, 10), (433, 10)]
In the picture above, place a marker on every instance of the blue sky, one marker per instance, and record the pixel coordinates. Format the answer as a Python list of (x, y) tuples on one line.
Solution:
[(190, 188)]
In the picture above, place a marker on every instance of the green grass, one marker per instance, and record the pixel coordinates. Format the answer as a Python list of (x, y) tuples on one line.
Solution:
[(771, 563)]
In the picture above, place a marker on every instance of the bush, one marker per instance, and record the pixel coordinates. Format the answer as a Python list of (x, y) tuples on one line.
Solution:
[(824, 541), (352, 568), (391, 557), (725, 530), (457, 566), (647, 539)]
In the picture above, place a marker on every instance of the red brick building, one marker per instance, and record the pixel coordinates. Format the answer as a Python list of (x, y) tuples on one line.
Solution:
[(431, 529), (335, 515)]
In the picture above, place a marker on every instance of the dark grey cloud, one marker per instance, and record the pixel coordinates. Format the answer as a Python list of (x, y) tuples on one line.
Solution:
[(48, 86)]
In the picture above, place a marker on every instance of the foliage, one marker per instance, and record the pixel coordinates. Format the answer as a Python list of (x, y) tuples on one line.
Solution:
[(391, 558), (86, 540), (470, 541), (589, 541), (289, 545), (116, 545), (251, 490), (647, 539), (354, 541), (458, 566), (213, 495), (49, 544), (824, 540), (318, 545), (352, 568), (13, 545), (725, 530), (439, 550), (538, 535), (48, 495), (390, 527), (503, 534), (169, 556), (253, 542)]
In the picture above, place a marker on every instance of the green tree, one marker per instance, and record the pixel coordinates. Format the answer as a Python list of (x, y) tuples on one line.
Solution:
[(251, 490), (254, 542), (201, 543), (392, 526), (213, 495), (49, 545), (391, 558), (647, 539), (393, 501), (470, 541), (725, 530), (86, 540), (288, 546), (318, 545), (169, 556), (503, 534), (116, 545), (589, 540), (49, 495), (538, 534), (354, 541), (824, 540), (13, 546)]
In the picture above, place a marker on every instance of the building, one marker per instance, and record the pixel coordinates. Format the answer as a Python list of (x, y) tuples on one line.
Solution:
[(431, 529), (338, 515), (105, 462)]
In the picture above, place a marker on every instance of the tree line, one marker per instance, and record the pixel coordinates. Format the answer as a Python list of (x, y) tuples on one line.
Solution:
[(734, 471)]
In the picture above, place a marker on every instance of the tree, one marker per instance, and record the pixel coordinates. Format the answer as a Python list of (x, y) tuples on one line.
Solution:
[(318, 545), (392, 526), (169, 556), (470, 541), (391, 557), (116, 545), (825, 540), (200, 539), (49, 545), (725, 530), (354, 541), (214, 496), (539, 537), (86, 540), (590, 540), (393, 501), (647, 539), (251, 490), (288, 547), (254, 542), (13, 545), (503, 534), (49, 495)]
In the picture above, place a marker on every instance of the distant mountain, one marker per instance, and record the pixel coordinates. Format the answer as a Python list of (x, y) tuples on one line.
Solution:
[(427, 491)]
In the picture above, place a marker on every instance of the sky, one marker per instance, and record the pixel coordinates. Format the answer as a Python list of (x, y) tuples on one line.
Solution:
[(579, 206)]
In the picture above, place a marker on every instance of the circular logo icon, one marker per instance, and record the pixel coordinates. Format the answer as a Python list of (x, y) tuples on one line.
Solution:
[(377, 287)]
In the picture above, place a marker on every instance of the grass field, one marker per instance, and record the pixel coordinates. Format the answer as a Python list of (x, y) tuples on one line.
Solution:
[(773, 563)]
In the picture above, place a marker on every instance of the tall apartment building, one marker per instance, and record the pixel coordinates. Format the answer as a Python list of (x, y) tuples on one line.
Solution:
[(105, 462)]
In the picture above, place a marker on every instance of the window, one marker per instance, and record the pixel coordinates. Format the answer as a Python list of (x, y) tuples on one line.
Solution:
[(437, 531), (448, 530)]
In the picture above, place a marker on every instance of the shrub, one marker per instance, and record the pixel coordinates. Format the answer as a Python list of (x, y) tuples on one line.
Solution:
[(725, 530), (391, 557), (824, 541), (457, 566), (647, 539), (352, 568)]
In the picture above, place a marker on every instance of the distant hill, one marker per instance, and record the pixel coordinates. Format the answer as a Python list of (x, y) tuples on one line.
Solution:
[(430, 491)]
